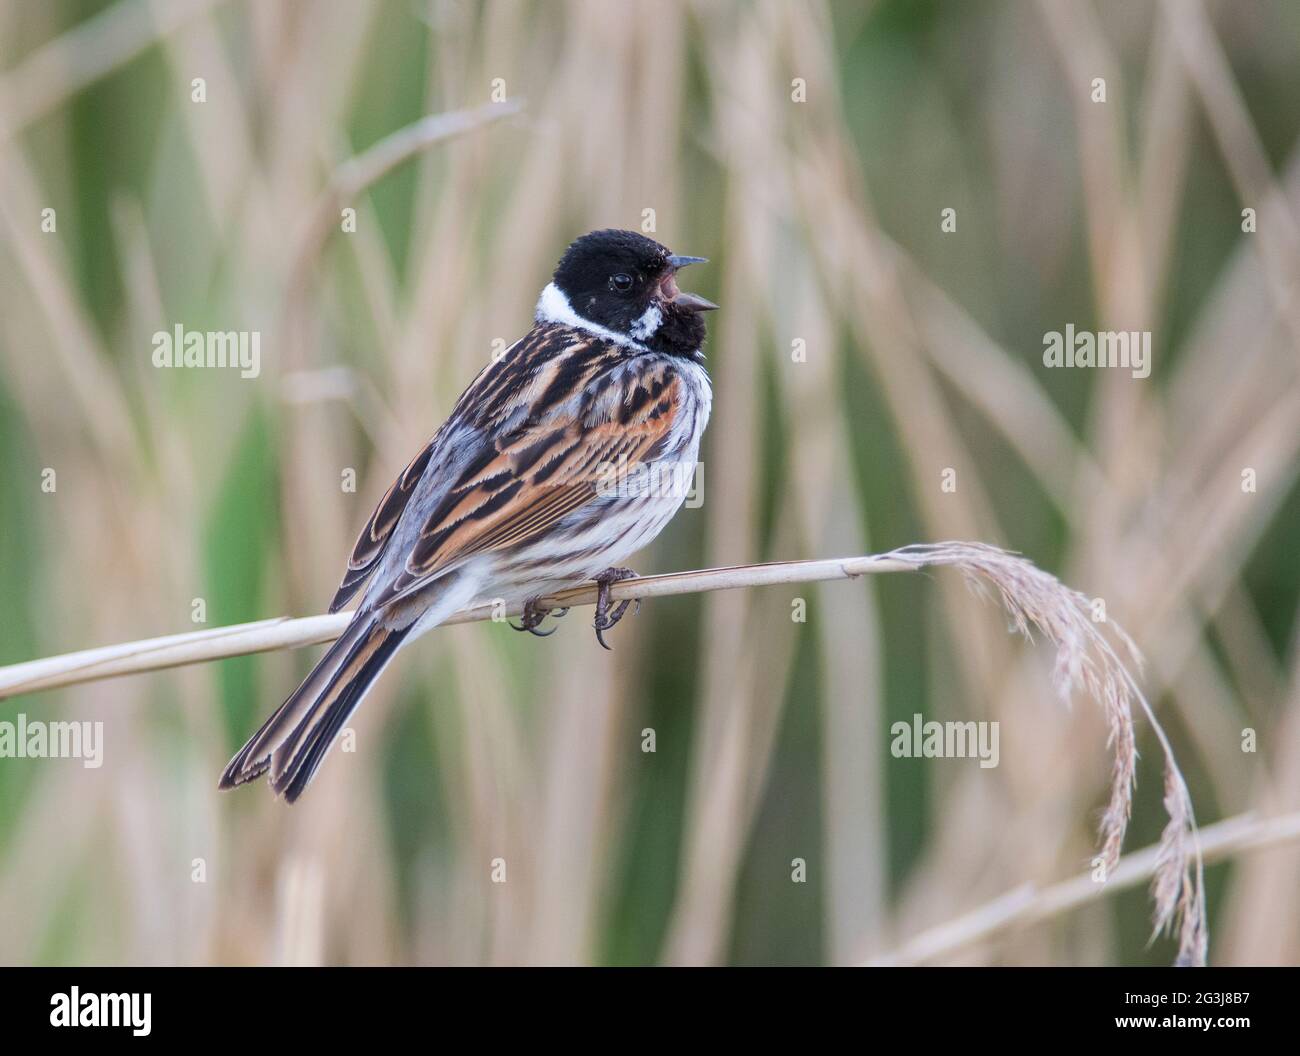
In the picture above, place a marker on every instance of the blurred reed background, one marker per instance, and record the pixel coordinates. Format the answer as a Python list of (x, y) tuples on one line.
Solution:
[(822, 221)]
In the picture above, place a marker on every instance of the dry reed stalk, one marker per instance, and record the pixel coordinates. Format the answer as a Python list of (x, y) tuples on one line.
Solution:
[(1243, 151), (262, 636), (361, 171), (1087, 661), (1028, 905), (86, 53)]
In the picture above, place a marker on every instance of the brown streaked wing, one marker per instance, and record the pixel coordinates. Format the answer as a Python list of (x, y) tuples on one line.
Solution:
[(379, 529), (478, 405), (543, 471)]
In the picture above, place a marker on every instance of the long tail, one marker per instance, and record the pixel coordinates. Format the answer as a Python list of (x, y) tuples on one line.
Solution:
[(293, 741)]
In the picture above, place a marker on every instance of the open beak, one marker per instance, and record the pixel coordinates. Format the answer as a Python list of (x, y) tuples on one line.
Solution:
[(690, 301)]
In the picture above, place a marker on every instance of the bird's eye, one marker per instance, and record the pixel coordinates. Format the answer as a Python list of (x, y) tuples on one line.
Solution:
[(622, 282)]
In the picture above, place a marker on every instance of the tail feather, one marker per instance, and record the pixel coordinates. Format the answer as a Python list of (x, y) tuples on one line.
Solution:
[(295, 761), (292, 743), (252, 760)]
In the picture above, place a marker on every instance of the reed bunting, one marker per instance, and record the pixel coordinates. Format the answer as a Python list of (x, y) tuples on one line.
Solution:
[(545, 476)]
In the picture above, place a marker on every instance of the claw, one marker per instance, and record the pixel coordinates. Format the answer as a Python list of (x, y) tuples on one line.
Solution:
[(532, 617), (533, 630), (605, 617)]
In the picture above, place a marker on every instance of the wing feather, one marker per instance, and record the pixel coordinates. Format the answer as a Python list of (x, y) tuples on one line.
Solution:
[(522, 494), (555, 422), (374, 536), (538, 492)]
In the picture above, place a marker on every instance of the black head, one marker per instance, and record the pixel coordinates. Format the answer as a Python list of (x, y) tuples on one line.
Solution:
[(626, 283)]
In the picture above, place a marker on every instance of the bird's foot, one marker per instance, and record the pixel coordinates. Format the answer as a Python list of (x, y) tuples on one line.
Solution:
[(532, 617), (606, 616)]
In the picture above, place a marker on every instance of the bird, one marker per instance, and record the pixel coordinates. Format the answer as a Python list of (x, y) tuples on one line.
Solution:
[(551, 470)]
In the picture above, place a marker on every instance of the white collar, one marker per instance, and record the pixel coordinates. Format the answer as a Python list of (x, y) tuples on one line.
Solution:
[(554, 307)]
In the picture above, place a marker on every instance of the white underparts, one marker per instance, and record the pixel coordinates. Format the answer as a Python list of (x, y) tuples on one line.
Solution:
[(554, 307)]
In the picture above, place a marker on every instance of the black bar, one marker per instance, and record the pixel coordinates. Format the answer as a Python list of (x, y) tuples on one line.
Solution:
[(254, 1007)]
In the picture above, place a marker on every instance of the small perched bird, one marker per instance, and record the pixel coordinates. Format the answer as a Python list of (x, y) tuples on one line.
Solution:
[(548, 474)]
